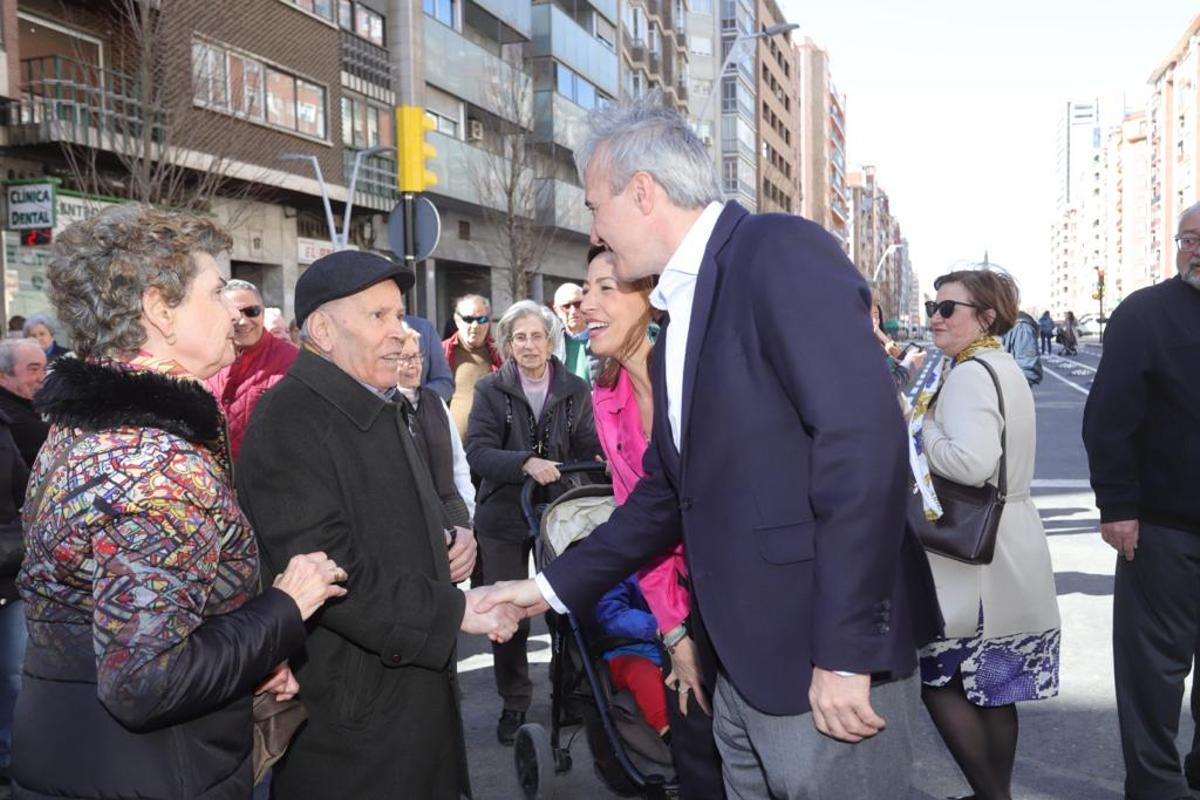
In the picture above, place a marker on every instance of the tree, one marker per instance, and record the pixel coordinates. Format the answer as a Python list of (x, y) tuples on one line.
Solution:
[(508, 179), (125, 128)]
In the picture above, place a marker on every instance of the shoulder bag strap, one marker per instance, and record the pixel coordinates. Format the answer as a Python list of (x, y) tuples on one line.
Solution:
[(1002, 483)]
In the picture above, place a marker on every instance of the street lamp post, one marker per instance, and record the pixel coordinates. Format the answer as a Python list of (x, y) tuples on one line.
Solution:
[(891, 248), (774, 30), (338, 240)]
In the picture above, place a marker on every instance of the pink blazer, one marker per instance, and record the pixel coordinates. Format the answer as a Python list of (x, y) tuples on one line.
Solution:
[(619, 427)]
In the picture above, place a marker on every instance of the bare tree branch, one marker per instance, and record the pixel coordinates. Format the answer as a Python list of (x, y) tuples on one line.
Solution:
[(506, 180)]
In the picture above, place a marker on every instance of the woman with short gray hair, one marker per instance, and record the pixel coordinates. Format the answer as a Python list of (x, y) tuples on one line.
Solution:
[(43, 329), (147, 630), (526, 419)]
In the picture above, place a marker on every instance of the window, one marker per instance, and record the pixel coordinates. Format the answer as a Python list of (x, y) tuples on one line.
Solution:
[(209, 76), (281, 99), (444, 124), (245, 87), (702, 6), (441, 10), (700, 45), (346, 14), (241, 85), (578, 89), (365, 125), (310, 110), (369, 25), (564, 80), (347, 121), (322, 8)]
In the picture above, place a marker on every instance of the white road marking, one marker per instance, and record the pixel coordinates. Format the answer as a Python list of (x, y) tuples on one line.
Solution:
[(1060, 483), (1072, 384)]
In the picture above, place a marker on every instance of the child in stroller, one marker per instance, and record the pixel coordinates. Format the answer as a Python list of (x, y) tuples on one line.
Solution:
[(637, 664)]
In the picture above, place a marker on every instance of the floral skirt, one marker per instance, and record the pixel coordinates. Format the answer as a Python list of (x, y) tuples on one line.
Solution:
[(999, 671)]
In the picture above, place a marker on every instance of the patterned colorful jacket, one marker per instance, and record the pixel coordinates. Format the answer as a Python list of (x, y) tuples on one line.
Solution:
[(140, 581)]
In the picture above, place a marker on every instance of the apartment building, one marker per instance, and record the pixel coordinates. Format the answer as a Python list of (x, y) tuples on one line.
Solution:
[(1125, 161), (737, 140), (822, 127), (1174, 132), (508, 83), (654, 50), (1078, 236), (259, 97), (87, 93), (778, 117), (877, 245)]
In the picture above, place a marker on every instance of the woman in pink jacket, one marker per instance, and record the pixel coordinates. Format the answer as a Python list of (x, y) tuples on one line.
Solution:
[(621, 329)]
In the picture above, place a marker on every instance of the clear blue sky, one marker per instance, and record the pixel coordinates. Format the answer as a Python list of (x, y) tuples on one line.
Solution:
[(956, 104)]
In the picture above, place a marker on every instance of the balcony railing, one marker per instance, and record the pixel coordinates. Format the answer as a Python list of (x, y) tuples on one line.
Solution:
[(61, 99), (636, 48), (376, 185), (366, 61)]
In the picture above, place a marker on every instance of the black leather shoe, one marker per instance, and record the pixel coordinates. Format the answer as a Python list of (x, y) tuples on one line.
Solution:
[(506, 728)]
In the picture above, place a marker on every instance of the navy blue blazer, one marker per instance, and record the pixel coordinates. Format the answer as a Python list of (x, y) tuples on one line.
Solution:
[(790, 491)]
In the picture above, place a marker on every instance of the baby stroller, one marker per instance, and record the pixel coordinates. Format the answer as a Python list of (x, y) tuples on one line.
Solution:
[(628, 754)]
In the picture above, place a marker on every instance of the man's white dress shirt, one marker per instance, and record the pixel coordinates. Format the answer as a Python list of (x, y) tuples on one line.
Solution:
[(674, 294)]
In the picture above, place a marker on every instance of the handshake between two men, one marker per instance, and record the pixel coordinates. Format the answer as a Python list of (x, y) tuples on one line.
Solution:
[(489, 610)]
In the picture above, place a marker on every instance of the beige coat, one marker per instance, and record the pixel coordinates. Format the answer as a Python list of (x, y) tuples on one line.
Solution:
[(962, 443)]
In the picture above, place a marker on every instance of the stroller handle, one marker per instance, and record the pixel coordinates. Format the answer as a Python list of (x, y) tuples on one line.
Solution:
[(575, 468)]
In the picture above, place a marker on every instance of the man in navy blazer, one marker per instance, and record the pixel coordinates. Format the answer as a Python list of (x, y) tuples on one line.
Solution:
[(778, 454)]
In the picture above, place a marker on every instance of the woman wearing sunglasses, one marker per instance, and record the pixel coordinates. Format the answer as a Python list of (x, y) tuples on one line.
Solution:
[(1002, 621)]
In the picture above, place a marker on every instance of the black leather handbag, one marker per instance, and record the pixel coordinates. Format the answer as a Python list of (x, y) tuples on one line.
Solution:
[(970, 517)]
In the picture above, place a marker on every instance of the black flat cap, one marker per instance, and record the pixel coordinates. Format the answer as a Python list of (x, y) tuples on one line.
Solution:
[(342, 274)]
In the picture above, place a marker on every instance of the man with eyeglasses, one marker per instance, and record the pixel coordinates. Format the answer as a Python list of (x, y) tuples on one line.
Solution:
[(471, 353), (575, 354), (1141, 429), (261, 361)]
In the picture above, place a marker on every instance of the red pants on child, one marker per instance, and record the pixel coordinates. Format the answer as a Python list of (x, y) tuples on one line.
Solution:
[(644, 679)]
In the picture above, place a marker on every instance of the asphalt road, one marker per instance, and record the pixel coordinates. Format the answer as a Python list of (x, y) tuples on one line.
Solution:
[(1069, 748)]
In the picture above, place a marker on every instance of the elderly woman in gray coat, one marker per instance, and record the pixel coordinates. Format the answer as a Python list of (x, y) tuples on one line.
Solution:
[(526, 419), (1002, 621)]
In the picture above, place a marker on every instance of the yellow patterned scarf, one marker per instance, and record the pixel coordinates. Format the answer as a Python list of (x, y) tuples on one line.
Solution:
[(925, 397)]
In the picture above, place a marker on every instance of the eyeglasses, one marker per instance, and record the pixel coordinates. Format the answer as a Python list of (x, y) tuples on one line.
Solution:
[(575, 304), (482, 319), (250, 312), (945, 308), (409, 361), (1187, 242)]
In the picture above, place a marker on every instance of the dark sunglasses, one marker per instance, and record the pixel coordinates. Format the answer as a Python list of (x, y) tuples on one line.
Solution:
[(482, 319), (250, 312), (945, 307)]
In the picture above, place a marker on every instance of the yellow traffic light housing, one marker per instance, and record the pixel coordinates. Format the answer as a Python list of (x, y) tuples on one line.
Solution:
[(413, 152)]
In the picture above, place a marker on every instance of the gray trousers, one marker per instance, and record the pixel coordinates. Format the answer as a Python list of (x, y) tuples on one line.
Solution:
[(1156, 626), (765, 756)]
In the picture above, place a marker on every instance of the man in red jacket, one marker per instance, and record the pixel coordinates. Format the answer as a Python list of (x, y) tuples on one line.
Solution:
[(261, 362)]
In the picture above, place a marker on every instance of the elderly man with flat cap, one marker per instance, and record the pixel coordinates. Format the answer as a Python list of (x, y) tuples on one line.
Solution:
[(329, 465)]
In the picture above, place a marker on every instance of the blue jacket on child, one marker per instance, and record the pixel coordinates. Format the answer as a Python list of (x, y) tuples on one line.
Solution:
[(623, 613)]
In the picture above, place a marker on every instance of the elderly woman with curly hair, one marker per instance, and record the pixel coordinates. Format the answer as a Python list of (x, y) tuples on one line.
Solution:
[(148, 633)]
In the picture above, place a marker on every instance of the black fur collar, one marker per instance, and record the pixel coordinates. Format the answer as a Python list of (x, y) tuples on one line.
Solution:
[(80, 394)]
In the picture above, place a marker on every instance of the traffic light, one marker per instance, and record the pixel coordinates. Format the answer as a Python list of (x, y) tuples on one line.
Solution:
[(36, 236), (412, 170)]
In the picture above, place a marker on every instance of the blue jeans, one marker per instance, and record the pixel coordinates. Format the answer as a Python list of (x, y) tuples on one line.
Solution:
[(12, 655)]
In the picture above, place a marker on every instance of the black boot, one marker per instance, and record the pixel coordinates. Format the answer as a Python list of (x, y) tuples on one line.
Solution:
[(506, 728)]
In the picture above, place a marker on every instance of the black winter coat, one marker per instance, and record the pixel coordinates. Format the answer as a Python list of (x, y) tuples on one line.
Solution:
[(500, 441), (146, 639), (329, 465), (14, 474)]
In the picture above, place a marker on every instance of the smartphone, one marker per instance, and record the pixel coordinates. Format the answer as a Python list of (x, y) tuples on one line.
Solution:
[(908, 348)]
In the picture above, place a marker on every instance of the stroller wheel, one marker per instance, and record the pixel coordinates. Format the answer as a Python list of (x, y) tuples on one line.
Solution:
[(534, 760)]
